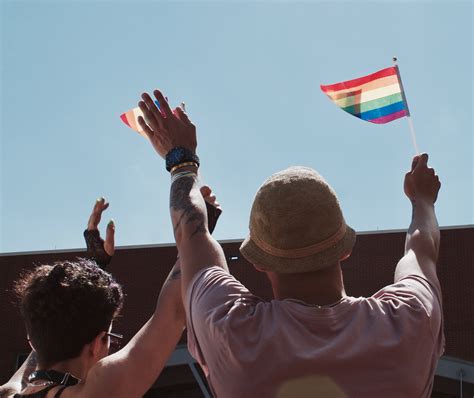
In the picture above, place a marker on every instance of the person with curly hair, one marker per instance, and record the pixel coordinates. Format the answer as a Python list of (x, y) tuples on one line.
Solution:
[(68, 309)]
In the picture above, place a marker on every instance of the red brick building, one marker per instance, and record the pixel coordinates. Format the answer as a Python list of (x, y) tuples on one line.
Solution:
[(143, 269)]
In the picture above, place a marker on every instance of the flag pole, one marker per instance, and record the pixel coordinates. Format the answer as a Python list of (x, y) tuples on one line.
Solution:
[(410, 121)]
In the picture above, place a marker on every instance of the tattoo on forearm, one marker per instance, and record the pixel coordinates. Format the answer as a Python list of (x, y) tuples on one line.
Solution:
[(180, 202), (31, 363), (198, 219)]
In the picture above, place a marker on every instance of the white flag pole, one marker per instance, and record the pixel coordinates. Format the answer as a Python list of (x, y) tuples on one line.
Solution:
[(413, 136), (410, 121)]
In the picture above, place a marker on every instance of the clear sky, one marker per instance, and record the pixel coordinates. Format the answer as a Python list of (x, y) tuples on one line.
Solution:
[(249, 73)]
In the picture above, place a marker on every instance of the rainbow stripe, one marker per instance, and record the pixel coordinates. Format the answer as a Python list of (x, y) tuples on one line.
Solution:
[(376, 98), (130, 118)]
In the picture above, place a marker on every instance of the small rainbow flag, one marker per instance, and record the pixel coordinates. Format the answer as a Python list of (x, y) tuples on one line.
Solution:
[(130, 118), (376, 98)]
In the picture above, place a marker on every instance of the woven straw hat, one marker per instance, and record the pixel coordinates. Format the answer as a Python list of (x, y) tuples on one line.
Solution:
[(296, 224)]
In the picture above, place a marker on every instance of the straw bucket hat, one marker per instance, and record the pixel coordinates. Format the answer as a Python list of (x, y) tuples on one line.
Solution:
[(296, 224)]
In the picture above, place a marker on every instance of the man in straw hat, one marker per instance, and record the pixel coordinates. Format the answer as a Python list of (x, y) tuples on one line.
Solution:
[(312, 339)]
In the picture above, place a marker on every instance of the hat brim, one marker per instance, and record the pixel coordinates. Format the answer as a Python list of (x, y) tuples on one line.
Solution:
[(314, 262)]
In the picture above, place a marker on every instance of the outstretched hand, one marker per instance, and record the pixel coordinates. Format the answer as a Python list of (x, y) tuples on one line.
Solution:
[(166, 128), (97, 249), (93, 225), (421, 182)]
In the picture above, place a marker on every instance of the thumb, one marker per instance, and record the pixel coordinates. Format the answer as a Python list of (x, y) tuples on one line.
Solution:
[(422, 161), (109, 244)]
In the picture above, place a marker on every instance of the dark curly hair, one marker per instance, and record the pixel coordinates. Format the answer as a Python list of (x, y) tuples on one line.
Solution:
[(66, 305)]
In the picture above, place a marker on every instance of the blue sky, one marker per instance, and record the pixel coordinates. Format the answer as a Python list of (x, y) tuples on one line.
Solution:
[(249, 73)]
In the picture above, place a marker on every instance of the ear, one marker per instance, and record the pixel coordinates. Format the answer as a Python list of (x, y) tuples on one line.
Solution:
[(96, 346), (345, 256)]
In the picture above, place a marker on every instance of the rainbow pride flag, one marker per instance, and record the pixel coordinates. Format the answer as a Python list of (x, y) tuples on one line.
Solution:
[(130, 118), (376, 98)]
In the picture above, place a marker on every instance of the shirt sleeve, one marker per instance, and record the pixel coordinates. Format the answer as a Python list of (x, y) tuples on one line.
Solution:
[(417, 293), (213, 300)]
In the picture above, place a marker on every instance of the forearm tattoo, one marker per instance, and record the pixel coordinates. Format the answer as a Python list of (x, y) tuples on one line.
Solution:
[(188, 212)]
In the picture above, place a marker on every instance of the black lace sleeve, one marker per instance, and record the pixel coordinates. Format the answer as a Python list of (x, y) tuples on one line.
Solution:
[(95, 248)]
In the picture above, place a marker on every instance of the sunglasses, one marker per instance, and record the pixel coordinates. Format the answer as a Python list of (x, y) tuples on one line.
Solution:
[(115, 341), (115, 335)]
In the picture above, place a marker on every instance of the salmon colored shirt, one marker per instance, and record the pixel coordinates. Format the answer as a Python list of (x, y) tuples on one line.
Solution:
[(386, 345)]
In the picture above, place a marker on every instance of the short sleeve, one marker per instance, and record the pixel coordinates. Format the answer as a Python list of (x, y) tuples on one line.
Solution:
[(417, 293), (213, 298)]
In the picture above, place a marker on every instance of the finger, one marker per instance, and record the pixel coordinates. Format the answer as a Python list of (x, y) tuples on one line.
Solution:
[(147, 115), (205, 191), (151, 112), (109, 244), (101, 205), (98, 202), (153, 109), (176, 114), (165, 108), (423, 161), (181, 114), (94, 219), (211, 199), (415, 162), (145, 127)]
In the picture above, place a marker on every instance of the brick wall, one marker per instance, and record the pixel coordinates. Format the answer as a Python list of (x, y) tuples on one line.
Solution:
[(142, 271)]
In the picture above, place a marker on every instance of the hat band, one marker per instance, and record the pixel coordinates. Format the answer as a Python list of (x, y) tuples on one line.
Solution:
[(302, 251)]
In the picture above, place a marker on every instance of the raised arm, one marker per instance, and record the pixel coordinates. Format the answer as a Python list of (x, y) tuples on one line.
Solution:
[(422, 241), (98, 250), (131, 371), (168, 130)]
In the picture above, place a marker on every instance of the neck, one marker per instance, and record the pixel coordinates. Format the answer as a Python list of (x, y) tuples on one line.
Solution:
[(322, 287), (78, 367)]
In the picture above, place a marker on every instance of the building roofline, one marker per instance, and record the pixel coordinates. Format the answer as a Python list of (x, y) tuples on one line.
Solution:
[(223, 241), (389, 231)]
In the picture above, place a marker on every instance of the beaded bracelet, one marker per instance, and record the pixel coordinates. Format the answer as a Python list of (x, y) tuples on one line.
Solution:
[(178, 166), (182, 174)]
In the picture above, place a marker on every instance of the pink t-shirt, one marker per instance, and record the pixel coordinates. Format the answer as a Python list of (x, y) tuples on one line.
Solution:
[(386, 345)]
